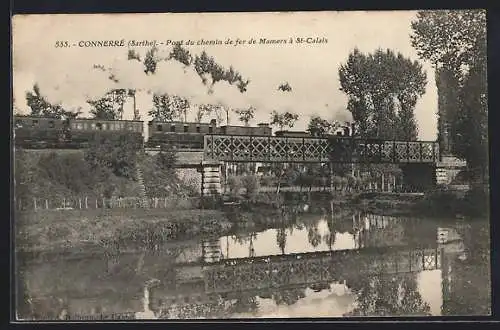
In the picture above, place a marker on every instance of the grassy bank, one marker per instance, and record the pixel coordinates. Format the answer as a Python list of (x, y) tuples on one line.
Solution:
[(70, 230)]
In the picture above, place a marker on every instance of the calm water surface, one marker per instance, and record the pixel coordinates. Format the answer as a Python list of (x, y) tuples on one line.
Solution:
[(319, 266)]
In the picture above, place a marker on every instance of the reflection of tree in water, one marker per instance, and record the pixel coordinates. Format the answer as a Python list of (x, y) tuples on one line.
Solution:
[(384, 295), (244, 238), (284, 296), (281, 239), (470, 279), (246, 303), (329, 238), (313, 235)]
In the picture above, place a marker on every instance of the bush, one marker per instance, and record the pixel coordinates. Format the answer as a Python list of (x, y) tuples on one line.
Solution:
[(266, 180), (337, 181), (234, 184), (251, 184), (351, 181)]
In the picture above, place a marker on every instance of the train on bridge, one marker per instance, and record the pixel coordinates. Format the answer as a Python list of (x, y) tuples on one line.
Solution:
[(40, 132)]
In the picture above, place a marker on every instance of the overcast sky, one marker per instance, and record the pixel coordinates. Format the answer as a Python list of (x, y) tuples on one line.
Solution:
[(66, 75)]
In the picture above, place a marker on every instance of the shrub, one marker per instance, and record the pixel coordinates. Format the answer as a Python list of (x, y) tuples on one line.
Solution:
[(336, 180), (351, 181), (234, 184), (266, 180), (343, 182), (251, 184)]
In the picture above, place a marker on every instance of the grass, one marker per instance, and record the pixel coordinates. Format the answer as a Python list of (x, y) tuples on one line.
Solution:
[(49, 230)]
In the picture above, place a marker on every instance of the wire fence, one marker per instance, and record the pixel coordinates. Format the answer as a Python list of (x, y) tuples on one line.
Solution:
[(103, 203)]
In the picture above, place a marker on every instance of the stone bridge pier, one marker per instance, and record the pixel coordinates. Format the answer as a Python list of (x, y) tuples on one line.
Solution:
[(211, 173)]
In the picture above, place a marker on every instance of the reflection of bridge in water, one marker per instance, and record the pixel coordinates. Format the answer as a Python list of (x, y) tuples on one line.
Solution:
[(305, 269), (379, 248), (231, 277)]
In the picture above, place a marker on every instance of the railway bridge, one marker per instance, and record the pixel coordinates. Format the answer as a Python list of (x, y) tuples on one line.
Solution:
[(420, 159)]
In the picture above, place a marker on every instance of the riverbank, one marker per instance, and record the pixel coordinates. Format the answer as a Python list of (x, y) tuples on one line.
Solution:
[(110, 229)]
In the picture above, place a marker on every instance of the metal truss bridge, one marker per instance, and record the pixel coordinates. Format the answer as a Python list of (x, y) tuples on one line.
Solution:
[(239, 148)]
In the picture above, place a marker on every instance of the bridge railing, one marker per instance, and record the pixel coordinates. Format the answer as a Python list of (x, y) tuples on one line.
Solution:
[(237, 148)]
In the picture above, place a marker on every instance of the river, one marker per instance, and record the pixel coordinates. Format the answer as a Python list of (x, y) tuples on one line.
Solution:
[(319, 265)]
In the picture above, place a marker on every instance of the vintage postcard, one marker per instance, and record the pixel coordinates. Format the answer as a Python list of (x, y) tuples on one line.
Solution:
[(250, 165)]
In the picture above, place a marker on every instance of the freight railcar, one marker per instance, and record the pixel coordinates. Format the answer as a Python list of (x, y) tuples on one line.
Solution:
[(38, 132)]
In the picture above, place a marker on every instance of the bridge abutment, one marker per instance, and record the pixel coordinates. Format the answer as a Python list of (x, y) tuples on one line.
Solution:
[(448, 168), (211, 178)]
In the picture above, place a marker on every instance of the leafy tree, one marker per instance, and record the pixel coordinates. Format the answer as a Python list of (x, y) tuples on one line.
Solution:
[(285, 87), (320, 127), (167, 157), (242, 85), (181, 54), (232, 76), (377, 85), (133, 55), (448, 88), (208, 109), (150, 61), (169, 107), (118, 154), (450, 38), (282, 120), (110, 106), (454, 41), (40, 107), (245, 115), (471, 122), (206, 65)]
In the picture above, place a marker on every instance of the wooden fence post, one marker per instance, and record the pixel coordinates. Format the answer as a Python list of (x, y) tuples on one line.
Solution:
[(47, 204), (156, 202), (79, 203), (34, 202), (86, 202), (64, 203), (96, 206)]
